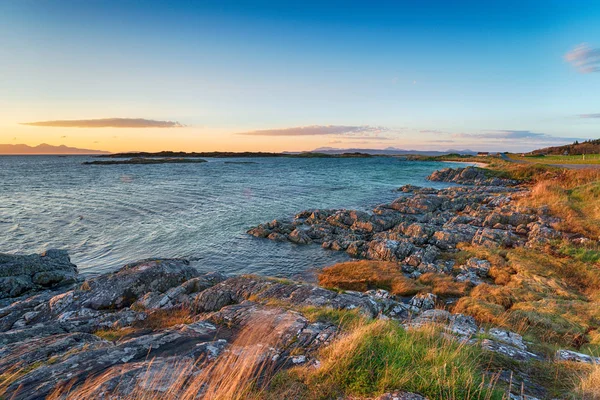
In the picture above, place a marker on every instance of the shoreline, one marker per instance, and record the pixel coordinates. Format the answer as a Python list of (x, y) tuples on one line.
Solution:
[(473, 163)]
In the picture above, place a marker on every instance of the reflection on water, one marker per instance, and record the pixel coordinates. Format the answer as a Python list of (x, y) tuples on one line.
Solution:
[(109, 215)]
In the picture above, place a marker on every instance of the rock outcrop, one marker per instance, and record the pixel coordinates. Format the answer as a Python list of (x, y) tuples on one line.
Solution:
[(417, 227), (54, 336), (20, 274), (470, 176)]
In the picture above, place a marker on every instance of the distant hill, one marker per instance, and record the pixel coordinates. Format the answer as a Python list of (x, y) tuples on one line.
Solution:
[(392, 151), (23, 149), (575, 149)]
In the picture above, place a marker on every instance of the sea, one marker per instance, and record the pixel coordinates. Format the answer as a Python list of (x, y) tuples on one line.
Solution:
[(110, 215)]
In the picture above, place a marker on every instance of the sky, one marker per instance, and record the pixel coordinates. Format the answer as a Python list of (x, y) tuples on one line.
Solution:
[(291, 76)]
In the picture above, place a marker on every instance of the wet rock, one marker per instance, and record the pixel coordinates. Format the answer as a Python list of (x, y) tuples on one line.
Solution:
[(300, 237), (23, 273)]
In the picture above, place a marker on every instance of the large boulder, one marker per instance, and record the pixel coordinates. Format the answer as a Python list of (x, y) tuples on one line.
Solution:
[(124, 287), (23, 273)]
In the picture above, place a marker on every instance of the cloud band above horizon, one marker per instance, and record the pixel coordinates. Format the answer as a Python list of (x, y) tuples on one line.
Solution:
[(107, 123), (506, 135), (315, 130)]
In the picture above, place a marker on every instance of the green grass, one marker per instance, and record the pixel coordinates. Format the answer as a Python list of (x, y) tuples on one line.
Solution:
[(588, 159), (381, 356), (345, 319), (586, 254)]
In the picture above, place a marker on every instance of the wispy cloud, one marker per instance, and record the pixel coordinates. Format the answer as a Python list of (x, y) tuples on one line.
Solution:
[(584, 58), (108, 123), (589, 115), (316, 130), (430, 131), (373, 138), (507, 135), (441, 141)]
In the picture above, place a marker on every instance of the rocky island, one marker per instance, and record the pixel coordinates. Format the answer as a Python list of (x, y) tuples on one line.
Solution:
[(472, 291)]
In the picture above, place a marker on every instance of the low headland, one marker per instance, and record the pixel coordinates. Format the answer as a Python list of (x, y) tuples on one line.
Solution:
[(144, 160), (487, 289)]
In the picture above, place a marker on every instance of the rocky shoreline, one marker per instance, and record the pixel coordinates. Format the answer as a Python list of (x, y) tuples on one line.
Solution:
[(53, 324), (422, 223)]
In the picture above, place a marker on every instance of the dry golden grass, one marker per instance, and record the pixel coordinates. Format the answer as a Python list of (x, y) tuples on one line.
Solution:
[(367, 274), (499, 295), (589, 386), (160, 319), (157, 319), (443, 285), (549, 293), (114, 335), (482, 311), (235, 375), (572, 195)]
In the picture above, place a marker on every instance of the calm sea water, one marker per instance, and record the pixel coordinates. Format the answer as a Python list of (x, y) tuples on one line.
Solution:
[(106, 216)]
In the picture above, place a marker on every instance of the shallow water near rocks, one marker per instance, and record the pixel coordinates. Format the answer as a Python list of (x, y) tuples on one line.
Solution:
[(106, 216)]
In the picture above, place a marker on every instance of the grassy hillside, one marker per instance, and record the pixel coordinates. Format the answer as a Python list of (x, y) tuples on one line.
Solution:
[(587, 147)]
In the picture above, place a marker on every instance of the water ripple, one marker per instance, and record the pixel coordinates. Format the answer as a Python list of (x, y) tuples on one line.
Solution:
[(107, 216)]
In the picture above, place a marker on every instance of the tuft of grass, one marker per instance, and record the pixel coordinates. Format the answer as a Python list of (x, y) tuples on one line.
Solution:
[(114, 335), (589, 385), (160, 319), (587, 253), (482, 311), (345, 319), (364, 275), (572, 273), (156, 319), (381, 356), (443, 285)]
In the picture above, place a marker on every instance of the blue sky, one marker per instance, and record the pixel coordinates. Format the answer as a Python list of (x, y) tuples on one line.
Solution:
[(295, 76)]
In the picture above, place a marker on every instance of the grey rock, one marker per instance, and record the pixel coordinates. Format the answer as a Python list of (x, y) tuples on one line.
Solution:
[(573, 356), (22, 273), (126, 286)]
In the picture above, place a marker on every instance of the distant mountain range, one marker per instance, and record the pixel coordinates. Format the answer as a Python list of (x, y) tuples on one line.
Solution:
[(23, 149), (392, 151)]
